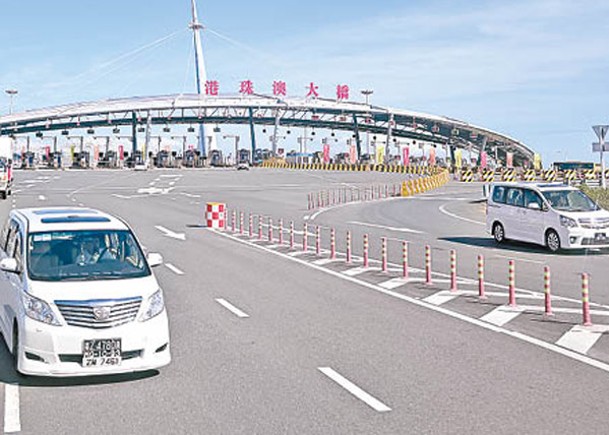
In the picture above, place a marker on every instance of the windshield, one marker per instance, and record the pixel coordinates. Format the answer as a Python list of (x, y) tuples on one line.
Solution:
[(84, 255), (570, 200)]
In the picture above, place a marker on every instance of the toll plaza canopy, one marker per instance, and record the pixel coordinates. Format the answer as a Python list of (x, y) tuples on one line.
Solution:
[(258, 109)]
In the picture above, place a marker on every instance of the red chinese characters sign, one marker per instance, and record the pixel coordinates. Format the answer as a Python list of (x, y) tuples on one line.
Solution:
[(279, 88)]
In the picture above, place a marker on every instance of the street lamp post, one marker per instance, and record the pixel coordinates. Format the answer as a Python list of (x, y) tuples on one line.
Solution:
[(11, 93), (366, 93)]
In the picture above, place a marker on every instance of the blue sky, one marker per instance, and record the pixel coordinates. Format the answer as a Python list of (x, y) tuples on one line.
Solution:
[(537, 70)]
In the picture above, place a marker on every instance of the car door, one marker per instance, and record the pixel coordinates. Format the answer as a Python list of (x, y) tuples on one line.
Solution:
[(514, 200), (14, 249), (5, 283), (533, 217)]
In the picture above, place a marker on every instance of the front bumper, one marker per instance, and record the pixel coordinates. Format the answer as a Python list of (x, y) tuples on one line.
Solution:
[(582, 238), (57, 350)]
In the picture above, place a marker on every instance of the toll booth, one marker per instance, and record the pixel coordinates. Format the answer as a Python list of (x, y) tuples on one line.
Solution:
[(215, 158), (27, 160), (136, 158), (56, 159), (82, 160), (162, 159), (243, 156)]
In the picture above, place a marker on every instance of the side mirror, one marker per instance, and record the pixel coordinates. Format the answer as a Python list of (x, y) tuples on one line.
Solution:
[(154, 259), (9, 265), (534, 206)]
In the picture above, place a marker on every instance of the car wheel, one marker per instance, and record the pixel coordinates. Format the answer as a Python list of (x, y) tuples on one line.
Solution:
[(15, 348), (552, 241), (498, 233)]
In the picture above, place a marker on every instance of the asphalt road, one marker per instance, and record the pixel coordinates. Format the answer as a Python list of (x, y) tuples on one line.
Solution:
[(426, 367)]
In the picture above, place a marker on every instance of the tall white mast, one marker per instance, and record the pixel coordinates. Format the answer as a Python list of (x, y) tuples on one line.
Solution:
[(205, 132)]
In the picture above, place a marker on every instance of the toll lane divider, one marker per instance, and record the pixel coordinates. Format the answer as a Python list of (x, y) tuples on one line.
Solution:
[(320, 231)]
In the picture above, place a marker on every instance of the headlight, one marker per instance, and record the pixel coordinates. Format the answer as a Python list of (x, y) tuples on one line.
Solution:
[(38, 309), (154, 306), (567, 222)]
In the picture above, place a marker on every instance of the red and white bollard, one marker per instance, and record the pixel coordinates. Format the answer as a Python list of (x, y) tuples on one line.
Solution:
[(512, 283), (241, 218), (251, 225), (259, 227), (233, 222), (332, 243), (318, 240), (481, 293), (365, 250), (348, 247), (305, 237), (405, 260), (428, 280), (281, 231), (291, 234), (270, 232), (586, 300), (546, 291), (384, 254), (453, 270)]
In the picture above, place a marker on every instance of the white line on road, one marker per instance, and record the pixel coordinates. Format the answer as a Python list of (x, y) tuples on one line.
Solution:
[(325, 261), (502, 315), (169, 233), (581, 338), (42, 198), (440, 298), (174, 269), (12, 419), (190, 195), (402, 230), (447, 213), (373, 402), (393, 283), (526, 260), (236, 311), (354, 271)]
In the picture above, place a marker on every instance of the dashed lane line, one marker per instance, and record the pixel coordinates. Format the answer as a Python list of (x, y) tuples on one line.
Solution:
[(174, 269), (552, 347), (230, 307), (368, 399), (12, 418)]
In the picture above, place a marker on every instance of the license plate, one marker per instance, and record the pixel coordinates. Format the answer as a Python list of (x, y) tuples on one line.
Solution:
[(97, 353)]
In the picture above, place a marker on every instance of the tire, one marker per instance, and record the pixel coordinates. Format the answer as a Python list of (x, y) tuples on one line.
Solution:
[(15, 348), (498, 232), (3, 195), (552, 241)]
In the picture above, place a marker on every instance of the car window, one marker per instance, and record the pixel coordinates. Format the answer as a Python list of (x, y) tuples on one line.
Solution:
[(515, 197), (530, 196), (12, 237), (18, 249), (499, 194), (4, 234)]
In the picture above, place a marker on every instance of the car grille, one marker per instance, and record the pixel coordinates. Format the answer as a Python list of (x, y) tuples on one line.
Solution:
[(596, 224), (83, 313)]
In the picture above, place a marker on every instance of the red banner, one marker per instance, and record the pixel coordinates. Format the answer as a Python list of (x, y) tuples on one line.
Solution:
[(121, 153), (406, 156), (352, 154), (483, 162), (432, 156), (326, 153), (509, 160)]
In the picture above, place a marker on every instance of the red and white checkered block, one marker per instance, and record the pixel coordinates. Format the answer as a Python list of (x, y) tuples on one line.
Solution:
[(216, 215)]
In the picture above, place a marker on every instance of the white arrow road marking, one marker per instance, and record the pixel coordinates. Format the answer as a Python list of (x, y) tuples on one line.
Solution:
[(169, 233), (373, 402), (12, 420), (174, 269), (230, 307)]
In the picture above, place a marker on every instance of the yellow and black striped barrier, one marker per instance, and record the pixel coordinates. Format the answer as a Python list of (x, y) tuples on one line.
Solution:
[(549, 175), (488, 176), (509, 175), (467, 176), (529, 175)]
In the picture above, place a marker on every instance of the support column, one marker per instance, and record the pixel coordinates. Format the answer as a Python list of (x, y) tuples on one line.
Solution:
[(133, 134), (358, 141), (276, 131), (252, 133)]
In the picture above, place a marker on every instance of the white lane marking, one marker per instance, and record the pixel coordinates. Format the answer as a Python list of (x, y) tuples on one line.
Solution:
[(171, 176), (502, 315), (369, 400), (152, 183), (402, 230), (534, 308), (80, 204), (73, 199), (169, 233), (447, 213), (230, 307), (324, 261), (581, 338), (354, 271), (297, 253), (42, 198), (190, 195), (171, 183), (526, 260), (323, 210), (440, 298), (12, 419), (393, 283), (455, 315), (174, 269)]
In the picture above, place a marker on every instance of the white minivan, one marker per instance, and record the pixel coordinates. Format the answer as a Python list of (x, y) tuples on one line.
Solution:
[(550, 214), (77, 295)]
